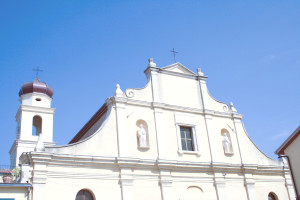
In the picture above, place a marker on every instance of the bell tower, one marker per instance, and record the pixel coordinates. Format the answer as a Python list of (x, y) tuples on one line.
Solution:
[(34, 118)]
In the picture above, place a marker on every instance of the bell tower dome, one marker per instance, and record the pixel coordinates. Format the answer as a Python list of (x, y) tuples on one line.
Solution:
[(34, 117)]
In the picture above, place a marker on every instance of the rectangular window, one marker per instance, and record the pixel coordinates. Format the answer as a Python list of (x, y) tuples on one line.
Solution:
[(187, 140)]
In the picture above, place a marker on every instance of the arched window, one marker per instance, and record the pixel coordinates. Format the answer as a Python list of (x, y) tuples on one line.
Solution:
[(272, 196), (192, 193), (84, 195), (36, 125)]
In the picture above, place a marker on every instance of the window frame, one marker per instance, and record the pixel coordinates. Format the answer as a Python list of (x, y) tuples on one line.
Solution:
[(187, 139), (194, 139)]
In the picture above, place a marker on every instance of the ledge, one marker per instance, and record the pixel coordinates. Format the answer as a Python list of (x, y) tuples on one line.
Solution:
[(16, 185), (197, 153)]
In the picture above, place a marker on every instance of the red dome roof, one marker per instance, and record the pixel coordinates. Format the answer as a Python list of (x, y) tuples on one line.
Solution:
[(36, 86)]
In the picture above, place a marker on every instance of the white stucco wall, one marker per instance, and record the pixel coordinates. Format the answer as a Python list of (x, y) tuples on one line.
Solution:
[(293, 152), (13, 193), (110, 163)]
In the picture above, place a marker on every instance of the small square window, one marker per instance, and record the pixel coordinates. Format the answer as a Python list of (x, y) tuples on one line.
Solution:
[(187, 140)]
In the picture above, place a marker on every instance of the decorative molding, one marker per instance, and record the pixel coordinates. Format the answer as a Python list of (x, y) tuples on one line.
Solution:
[(174, 108), (197, 153), (35, 94), (225, 108), (129, 93), (180, 66), (136, 163), (178, 74), (34, 109)]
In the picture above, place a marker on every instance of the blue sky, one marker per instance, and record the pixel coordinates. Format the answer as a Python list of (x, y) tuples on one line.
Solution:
[(248, 49)]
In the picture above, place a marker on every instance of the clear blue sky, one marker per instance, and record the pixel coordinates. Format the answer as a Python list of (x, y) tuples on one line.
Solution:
[(248, 49)]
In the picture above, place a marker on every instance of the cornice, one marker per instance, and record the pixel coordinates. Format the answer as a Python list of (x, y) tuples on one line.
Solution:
[(25, 158), (180, 108), (34, 109), (131, 101), (182, 75), (178, 74), (17, 142), (137, 163), (15, 185), (35, 94)]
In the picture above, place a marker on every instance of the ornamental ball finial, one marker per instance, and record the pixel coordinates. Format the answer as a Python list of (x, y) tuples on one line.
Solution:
[(151, 63), (232, 107), (200, 73), (119, 92)]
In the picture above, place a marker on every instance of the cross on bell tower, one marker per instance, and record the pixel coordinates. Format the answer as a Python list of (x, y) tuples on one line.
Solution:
[(37, 70)]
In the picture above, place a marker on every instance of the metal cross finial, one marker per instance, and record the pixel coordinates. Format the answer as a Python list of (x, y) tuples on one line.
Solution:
[(37, 71), (174, 54)]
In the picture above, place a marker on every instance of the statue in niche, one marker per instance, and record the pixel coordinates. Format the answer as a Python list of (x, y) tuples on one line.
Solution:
[(227, 145), (142, 136)]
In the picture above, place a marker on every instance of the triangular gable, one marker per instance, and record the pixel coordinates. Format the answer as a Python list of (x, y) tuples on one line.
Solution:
[(179, 68)]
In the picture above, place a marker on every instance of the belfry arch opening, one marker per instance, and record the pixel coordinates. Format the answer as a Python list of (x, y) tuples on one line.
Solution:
[(36, 125)]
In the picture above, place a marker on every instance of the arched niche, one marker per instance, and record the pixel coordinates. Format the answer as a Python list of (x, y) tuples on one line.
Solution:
[(142, 135), (85, 194), (226, 142), (36, 125)]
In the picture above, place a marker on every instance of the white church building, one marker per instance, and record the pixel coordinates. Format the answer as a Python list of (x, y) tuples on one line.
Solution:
[(170, 140)]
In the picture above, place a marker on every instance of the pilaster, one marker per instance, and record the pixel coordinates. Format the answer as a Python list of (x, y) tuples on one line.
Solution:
[(120, 108), (250, 186), (155, 86), (39, 175), (209, 131), (220, 185), (126, 181), (160, 134), (25, 173), (153, 72), (236, 118), (207, 115), (166, 185)]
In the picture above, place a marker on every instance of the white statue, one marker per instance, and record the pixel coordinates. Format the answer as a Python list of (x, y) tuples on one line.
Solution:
[(227, 144), (142, 136), (40, 144)]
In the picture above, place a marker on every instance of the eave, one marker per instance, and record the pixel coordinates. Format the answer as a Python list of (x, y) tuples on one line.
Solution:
[(90, 123), (288, 141)]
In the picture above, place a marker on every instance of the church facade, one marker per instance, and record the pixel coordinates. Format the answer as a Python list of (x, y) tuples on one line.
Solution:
[(167, 141)]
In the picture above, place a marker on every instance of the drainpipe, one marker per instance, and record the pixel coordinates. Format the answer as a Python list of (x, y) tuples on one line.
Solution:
[(292, 174), (28, 194)]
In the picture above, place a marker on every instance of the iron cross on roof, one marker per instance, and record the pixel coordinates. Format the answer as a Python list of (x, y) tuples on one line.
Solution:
[(174, 54), (37, 71)]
